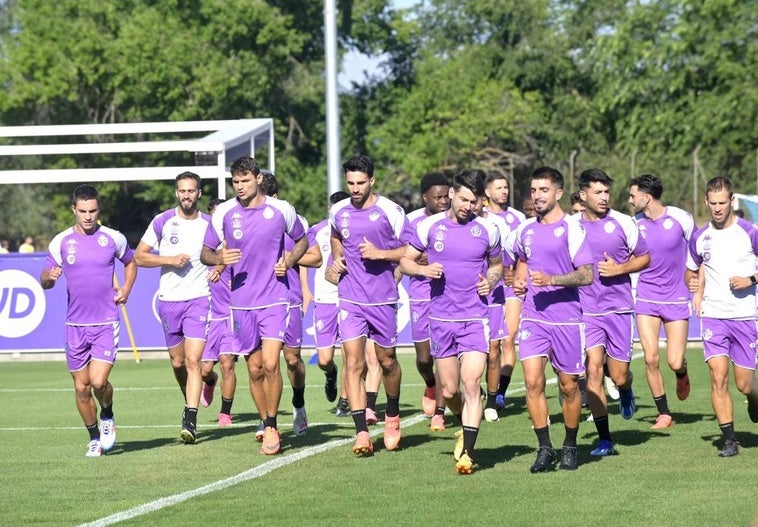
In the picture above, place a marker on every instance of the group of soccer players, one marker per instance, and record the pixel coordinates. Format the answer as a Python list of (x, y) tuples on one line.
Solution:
[(481, 279)]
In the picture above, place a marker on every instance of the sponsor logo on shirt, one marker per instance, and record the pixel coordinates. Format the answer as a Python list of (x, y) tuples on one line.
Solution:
[(609, 227), (268, 213), (102, 240)]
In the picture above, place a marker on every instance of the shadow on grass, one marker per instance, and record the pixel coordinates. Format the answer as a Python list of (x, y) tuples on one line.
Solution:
[(744, 439), (490, 457)]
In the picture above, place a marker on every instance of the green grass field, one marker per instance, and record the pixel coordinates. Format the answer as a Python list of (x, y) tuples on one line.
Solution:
[(671, 477)]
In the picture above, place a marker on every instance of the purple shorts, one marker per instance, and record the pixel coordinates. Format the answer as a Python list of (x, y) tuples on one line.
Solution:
[(185, 319), (376, 322), (450, 338), (251, 326), (220, 339), (667, 312), (293, 337), (735, 339), (498, 329), (86, 343), (420, 321), (563, 344), (325, 325), (612, 331)]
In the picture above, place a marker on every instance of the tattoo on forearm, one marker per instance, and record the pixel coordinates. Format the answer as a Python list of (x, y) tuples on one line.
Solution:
[(581, 276)]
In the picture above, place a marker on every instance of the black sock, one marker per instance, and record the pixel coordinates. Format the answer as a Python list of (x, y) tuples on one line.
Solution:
[(359, 418), (192, 415), (298, 397), (490, 399), (606, 372), (727, 430), (505, 380), (371, 400), (430, 383), (331, 375), (393, 406), (270, 420), (226, 406), (570, 439), (439, 410), (211, 381), (662, 405), (94, 432), (603, 430), (459, 417), (681, 375), (106, 412), (469, 438), (543, 436)]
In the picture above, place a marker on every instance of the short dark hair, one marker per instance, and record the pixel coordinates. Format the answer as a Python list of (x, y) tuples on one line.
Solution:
[(338, 196), (433, 179), (718, 184), (215, 202), (471, 179), (649, 184), (553, 174), (593, 175), (495, 176), (269, 186), (188, 175), (575, 198), (245, 164), (85, 193), (359, 163)]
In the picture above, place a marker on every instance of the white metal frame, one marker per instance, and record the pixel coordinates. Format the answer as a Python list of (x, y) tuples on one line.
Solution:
[(225, 135)]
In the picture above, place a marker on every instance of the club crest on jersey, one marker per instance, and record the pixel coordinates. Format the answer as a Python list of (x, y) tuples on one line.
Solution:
[(71, 246), (440, 235), (609, 227), (345, 219), (525, 334), (268, 213), (236, 220), (237, 234), (559, 231), (102, 240), (476, 231), (707, 334), (374, 215), (320, 325), (668, 223)]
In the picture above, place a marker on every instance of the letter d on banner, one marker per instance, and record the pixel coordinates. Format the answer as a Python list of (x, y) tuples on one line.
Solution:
[(22, 303)]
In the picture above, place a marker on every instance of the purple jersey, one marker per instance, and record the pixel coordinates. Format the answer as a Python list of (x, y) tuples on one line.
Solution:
[(293, 273), (617, 236), (259, 233), (555, 249), (497, 295), (384, 224), (663, 280), (461, 249), (419, 287), (221, 293), (87, 261)]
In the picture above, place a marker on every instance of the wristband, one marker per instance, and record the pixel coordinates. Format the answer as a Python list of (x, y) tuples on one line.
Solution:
[(753, 280)]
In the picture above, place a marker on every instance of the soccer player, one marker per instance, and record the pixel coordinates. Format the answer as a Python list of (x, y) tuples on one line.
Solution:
[(435, 193), (554, 261), (86, 255), (219, 346), (325, 312), (293, 337), (464, 262), (183, 291), (497, 189), (577, 205), (247, 233), (607, 304), (726, 249), (662, 296), (366, 246)]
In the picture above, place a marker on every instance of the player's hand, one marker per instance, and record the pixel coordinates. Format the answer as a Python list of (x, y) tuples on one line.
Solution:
[(228, 256), (433, 270), (338, 266), (280, 267), (697, 302), (519, 286), (607, 267), (369, 250), (213, 275), (179, 261), (539, 279), (483, 286), (693, 284), (508, 276), (121, 296), (55, 273)]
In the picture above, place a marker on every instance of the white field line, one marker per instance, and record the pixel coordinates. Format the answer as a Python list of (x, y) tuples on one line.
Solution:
[(253, 473)]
